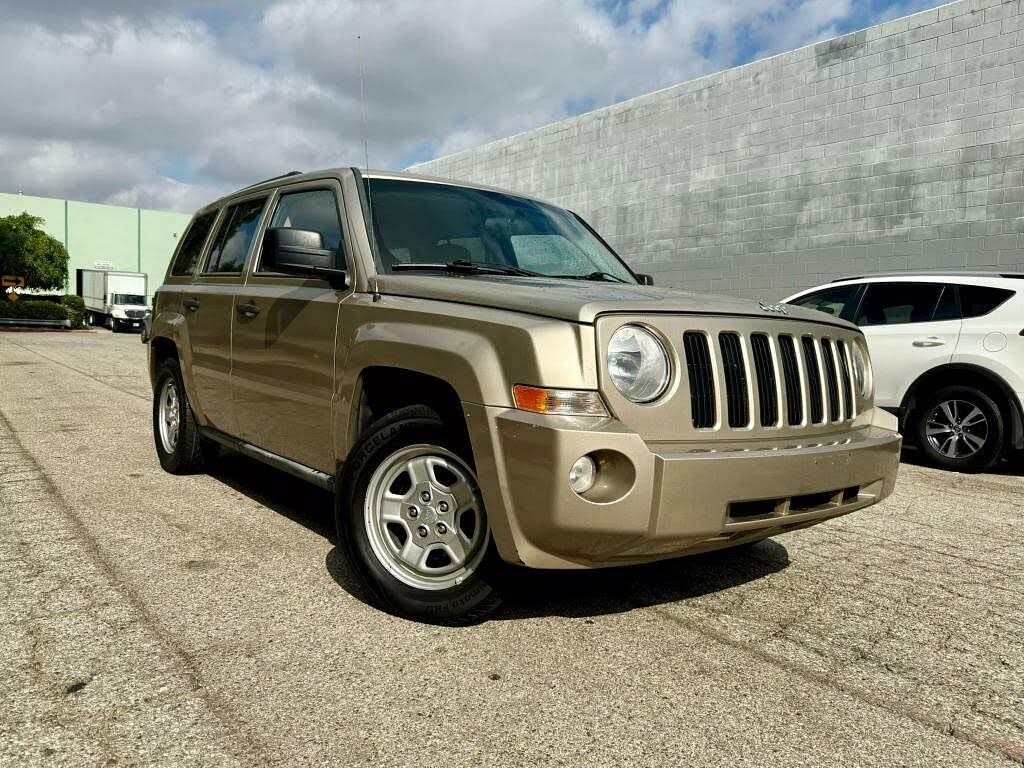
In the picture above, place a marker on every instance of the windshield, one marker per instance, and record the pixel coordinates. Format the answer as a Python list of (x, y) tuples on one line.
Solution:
[(427, 223), (128, 298)]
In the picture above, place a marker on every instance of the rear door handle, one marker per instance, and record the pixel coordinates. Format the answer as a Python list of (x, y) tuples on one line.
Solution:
[(190, 304), (248, 310), (931, 341)]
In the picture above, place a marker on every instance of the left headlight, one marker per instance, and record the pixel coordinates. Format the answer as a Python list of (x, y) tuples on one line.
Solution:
[(861, 369), (638, 364)]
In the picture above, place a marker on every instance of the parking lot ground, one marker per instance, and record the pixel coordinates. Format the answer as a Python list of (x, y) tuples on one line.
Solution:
[(209, 620)]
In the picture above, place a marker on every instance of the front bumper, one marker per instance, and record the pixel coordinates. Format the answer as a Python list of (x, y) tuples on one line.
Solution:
[(663, 499)]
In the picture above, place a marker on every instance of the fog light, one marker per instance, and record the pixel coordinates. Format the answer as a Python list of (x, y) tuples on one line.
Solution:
[(582, 474)]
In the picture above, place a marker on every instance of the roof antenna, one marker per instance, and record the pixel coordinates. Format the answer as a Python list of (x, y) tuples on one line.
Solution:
[(366, 166)]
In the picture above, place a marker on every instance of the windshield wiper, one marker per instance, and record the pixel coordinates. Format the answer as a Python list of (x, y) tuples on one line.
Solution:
[(463, 267), (602, 276)]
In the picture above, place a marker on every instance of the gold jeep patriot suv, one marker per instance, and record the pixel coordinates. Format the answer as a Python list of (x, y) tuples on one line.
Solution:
[(478, 377)]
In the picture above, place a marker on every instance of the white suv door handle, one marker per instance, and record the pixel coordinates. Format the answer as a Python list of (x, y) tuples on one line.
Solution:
[(931, 341)]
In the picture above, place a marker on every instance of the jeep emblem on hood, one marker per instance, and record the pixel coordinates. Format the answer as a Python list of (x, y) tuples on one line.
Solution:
[(773, 307)]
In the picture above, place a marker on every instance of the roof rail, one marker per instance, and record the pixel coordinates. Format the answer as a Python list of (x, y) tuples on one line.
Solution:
[(273, 178), (935, 272)]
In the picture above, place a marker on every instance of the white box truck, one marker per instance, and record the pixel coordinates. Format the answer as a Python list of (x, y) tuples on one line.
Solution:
[(116, 300)]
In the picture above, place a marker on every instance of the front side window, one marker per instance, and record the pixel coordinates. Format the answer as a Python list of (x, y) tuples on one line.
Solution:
[(235, 236), (314, 210), (423, 223), (838, 301), (192, 245), (899, 303)]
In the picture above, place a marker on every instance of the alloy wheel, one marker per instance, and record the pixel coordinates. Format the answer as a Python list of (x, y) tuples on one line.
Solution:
[(957, 429), (169, 415), (424, 517)]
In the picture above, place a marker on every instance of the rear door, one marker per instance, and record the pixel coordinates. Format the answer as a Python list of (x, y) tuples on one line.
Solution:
[(910, 328), (284, 338), (208, 306)]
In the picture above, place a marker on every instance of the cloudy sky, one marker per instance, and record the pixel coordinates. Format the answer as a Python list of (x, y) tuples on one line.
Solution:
[(170, 104)]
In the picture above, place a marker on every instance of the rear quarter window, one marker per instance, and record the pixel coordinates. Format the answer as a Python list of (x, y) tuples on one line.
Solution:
[(192, 245), (978, 300)]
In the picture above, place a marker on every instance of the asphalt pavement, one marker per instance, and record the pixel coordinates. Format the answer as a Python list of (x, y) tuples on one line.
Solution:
[(148, 619)]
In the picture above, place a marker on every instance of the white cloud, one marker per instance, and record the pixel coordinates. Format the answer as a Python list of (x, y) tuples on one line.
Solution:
[(163, 104)]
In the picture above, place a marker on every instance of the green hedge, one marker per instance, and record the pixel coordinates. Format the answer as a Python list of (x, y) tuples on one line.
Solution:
[(33, 310), (75, 305)]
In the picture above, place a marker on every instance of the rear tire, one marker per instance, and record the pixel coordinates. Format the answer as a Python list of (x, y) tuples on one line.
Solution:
[(960, 428), (179, 446), (411, 520)]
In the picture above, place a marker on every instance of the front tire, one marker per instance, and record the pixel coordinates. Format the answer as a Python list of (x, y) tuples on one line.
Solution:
[(411, 519), (960, 428), (179, 446)]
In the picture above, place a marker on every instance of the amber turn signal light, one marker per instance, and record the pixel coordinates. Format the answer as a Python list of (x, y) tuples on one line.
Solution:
[(563, 402)]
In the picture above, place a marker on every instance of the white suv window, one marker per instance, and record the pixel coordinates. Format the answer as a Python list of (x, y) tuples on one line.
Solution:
[(838, 301), (898, 303), (978, 300)]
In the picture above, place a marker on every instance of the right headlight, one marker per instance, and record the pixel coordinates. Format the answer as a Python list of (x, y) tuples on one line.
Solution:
[(861, 369), (638, 364)]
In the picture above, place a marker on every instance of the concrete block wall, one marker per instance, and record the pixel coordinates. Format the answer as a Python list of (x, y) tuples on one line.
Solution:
[(896, 147)]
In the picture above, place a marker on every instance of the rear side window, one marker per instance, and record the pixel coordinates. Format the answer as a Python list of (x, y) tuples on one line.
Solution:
[(839, 301), (978, 300), (235, 236), (899, 303), (192, 245)]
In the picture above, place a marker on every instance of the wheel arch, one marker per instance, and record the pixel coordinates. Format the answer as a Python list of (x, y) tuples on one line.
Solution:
[(966, 374), (160, 348), (383, 389)]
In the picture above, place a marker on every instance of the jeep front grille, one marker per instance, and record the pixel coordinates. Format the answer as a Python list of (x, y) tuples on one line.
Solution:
[(765, 370), (791, 375), (817, 382), (735, 379), (702, 379)]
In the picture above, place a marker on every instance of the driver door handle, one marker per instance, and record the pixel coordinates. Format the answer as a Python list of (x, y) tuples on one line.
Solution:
[(190, 304), (247, 310), (931, 341)]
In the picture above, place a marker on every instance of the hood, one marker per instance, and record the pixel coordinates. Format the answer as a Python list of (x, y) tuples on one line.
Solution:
[(581, 301)]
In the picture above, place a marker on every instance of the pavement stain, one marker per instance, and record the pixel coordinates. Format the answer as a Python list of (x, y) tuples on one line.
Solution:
[(75, 687)]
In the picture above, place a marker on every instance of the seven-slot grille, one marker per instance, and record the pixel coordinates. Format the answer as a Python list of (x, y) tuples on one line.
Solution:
[(806, 378)]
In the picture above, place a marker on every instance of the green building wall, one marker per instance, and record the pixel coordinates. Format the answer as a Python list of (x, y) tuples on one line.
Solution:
[(131, 239)]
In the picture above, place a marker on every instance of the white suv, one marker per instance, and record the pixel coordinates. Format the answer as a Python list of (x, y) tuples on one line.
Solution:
[(948, 357)]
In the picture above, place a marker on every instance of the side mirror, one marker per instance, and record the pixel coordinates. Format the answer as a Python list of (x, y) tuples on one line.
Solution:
[(300, 252), (645, 279)]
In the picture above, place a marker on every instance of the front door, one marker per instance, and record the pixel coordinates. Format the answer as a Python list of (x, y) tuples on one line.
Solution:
[(910, 328), (208, 304), (283, 335)]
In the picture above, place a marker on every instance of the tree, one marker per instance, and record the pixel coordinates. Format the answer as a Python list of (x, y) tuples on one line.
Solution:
[(26, 251)]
